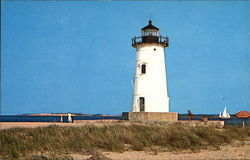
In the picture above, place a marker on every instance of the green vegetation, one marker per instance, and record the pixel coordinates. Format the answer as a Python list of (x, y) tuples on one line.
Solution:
[(22, 142)]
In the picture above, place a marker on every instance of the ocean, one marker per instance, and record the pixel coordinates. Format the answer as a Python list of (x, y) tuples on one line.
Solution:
[(25, 118)]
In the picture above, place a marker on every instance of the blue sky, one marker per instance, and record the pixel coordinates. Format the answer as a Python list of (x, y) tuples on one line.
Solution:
[(77, 57)]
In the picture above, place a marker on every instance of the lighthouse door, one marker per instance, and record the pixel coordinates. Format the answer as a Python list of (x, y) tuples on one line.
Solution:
[(142, 104)]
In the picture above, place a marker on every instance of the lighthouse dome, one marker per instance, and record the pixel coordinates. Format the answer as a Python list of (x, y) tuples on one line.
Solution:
[(150, 26)]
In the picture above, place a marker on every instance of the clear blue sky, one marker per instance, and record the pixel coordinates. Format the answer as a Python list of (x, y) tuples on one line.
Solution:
[(77, 56)]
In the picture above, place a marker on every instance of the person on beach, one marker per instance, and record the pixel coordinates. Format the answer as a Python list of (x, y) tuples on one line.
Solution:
[(61, 118), (189, 115), (69, 118)]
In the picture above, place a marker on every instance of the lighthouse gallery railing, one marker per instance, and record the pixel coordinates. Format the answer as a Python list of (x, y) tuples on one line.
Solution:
[(150, 39)]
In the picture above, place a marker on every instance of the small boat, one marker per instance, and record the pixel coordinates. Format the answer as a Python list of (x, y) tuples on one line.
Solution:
[(225, 114)]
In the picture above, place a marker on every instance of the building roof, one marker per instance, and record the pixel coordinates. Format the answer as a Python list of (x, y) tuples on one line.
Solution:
[(150, 26), (243, 114)]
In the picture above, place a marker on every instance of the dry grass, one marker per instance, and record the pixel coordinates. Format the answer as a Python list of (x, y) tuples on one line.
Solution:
[(22, 142)]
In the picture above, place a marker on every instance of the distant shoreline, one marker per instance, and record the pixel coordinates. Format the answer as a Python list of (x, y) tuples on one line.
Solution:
[(61, 114)]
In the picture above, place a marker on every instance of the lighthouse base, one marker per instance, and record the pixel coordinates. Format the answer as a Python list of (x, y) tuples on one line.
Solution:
[(150, 116)]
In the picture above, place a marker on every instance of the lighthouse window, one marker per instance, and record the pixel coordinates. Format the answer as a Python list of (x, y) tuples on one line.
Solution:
[(142, 104), (143, 69), (149, 32)]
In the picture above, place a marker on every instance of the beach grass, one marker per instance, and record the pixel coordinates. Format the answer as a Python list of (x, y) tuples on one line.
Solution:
[(21, 142)]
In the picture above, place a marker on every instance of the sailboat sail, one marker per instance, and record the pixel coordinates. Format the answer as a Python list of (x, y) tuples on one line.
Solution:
[(225, 114)]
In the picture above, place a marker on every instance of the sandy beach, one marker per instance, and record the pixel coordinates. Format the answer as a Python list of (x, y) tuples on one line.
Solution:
[(7, 125), (225, 152), (77, 123)]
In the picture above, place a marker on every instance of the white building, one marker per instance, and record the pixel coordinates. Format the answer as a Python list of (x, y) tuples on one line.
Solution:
[(150, 86)]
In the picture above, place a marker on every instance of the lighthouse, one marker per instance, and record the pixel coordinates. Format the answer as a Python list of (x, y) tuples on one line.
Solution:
[(150, 100), (150, 85)]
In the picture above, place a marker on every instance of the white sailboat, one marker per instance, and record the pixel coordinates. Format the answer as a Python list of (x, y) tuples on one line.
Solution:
[(225, 114)]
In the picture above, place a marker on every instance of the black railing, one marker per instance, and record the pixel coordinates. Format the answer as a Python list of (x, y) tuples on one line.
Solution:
[(150, 39)]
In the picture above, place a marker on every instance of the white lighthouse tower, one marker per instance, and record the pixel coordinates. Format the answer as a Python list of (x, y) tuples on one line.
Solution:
[(150, 85)]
